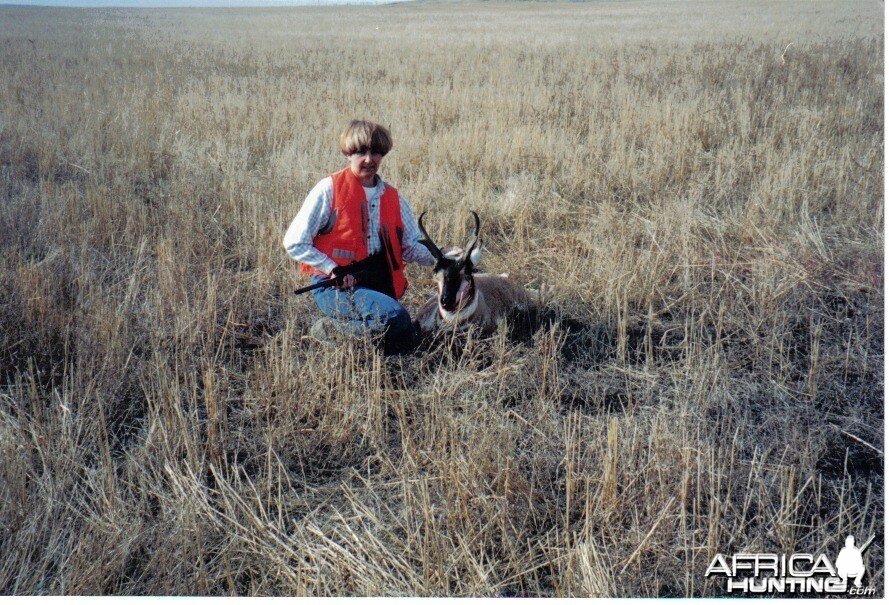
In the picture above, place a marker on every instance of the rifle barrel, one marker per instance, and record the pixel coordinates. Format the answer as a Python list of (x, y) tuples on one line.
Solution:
[(867, 544), (329, 282), (320, 284)]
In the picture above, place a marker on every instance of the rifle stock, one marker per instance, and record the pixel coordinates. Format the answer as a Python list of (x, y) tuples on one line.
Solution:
[(372, 272)]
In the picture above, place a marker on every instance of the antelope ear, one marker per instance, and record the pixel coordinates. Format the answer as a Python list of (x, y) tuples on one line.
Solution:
[(475, 257), (452, 252)]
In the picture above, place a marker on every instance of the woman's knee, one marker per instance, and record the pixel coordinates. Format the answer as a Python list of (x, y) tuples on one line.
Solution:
[(373, 309), (398, 319), (383, 310)]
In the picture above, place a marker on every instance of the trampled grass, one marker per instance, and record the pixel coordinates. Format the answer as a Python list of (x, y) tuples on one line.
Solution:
[(701, 182)]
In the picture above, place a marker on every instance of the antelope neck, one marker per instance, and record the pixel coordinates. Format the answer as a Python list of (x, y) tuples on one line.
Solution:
[(462, 313)]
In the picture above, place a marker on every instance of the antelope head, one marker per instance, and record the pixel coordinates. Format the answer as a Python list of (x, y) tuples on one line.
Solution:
[(453, 272)]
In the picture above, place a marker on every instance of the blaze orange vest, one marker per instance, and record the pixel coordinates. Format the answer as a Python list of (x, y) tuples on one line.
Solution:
[(346, 242)]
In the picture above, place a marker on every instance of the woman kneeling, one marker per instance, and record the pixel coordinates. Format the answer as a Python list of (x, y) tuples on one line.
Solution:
[(351, 219)]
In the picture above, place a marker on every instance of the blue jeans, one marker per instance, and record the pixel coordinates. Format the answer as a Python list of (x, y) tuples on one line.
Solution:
[(363, 308)]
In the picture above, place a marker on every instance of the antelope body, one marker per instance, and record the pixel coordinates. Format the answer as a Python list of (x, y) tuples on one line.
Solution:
[(466, 297)]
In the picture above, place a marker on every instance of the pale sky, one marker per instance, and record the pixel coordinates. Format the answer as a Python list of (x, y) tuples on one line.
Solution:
[(184, 3)]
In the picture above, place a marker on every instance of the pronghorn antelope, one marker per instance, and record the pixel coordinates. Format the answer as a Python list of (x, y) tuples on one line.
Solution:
[(466, 297)]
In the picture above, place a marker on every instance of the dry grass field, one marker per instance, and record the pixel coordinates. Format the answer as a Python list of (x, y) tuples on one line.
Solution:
[(702, 182)]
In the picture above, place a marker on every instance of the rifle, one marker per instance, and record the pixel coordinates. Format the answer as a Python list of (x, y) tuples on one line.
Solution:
[(332, 281), (867, 544), (371, 272)]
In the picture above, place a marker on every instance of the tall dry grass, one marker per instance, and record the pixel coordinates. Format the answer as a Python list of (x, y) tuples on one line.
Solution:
[(702, 182)]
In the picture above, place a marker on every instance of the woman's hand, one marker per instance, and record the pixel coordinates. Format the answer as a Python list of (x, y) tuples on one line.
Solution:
[(346, 281), (349, 282)]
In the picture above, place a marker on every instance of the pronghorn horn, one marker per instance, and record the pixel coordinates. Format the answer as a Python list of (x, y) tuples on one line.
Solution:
[(476, 255), (473, 241), (430, 245)]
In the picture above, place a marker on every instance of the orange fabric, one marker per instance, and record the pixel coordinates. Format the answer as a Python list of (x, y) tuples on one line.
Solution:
[(347, 241), (392, 228)]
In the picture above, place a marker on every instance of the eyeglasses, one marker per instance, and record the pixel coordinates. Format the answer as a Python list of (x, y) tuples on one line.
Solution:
[(366, 151)]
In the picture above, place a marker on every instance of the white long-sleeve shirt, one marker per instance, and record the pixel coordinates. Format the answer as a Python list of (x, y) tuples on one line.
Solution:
[(315, 213)]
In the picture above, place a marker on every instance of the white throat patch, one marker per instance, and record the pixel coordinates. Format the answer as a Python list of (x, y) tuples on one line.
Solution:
[(462, 314)]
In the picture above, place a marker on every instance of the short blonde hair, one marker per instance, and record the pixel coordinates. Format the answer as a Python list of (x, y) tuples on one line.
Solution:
[(361, 134)]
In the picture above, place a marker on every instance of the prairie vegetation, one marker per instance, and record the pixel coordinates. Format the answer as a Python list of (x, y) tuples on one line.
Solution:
[(701, 182)]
